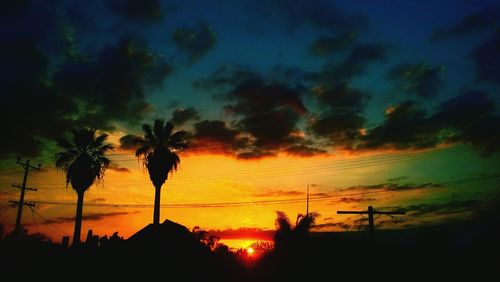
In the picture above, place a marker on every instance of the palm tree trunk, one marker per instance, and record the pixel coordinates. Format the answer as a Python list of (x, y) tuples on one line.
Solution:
[(156, 212), (78, 220)]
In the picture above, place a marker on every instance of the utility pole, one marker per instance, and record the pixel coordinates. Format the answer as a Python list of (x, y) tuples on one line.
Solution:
[(23, 188), (370, 212)]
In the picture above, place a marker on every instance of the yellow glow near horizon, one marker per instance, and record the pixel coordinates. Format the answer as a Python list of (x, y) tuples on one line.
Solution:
[(124, 202)]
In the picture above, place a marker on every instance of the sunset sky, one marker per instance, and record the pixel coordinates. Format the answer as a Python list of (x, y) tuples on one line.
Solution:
[(385, 103)]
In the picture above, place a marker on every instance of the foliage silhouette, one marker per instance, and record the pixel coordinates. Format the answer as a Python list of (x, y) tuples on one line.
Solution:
[(286, 236), (158, 153), (84, 161)]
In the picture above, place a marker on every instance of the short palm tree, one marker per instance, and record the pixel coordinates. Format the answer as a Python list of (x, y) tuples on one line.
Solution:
[(158, 150), (84, 161), (287, 236)]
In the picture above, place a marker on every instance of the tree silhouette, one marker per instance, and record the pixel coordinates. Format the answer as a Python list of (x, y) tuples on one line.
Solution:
[(287, 236), (158, 152), (84, 161)]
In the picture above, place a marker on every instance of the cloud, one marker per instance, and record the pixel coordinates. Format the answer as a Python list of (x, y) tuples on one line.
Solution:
[(467, 118), (340, 120), (195, 42), (181, 116), (393, 187), (255, 154), (304, 151), (226, 75), (47, 115), (319, 14), (136, 10), (268, 113), (487, 59), (243, 233), (486, 19), (356, 62), (279, 193), (324, 46), (419, 79), (471, 116), (117, 168), (354, 200), (451, 207), (129, 142), (406, 126), (214, 136), (112, 87), (89, 217)]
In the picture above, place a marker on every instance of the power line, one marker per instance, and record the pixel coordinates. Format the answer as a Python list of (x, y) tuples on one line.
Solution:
[(269, 202), (300, 170), (49, 222)]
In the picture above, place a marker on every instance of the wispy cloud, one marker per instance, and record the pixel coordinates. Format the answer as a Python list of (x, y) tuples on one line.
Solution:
[(90, 217)]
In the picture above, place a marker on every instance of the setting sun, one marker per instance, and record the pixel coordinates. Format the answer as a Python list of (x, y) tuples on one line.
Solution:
[(250, 251)]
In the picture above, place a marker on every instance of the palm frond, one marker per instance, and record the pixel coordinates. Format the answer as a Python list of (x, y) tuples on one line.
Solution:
[(64, 143), (282, 222), (178, 140), (167, 130), (148, 133), (158, 130), (143, 151)]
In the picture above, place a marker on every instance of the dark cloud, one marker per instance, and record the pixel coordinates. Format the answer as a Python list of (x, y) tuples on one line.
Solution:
[(419, 79), (468, 118), (353, 200), (117, 168), (182, 115), (356, 62), (340, 120), (451, 207), (136, 10), (196, 42), (46, 114), (487, 59), (255, 154), (268, 113), (486, 19), (129, 142), (320, 14), (90, 217), (304, 151), (226, 75), (393, 187), (279, 193), (332, 44), (471, 116), (112, 87), (210, 133), (406, 126)]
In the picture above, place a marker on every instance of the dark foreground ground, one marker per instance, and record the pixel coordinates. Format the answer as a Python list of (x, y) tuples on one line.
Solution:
[(170, 253)]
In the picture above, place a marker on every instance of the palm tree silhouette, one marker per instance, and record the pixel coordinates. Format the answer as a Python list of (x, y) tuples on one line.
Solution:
[(287, 236), (158, 152), (84, 161)]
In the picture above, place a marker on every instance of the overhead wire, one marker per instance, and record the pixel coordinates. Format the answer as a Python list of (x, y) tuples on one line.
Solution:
[(299, 170)]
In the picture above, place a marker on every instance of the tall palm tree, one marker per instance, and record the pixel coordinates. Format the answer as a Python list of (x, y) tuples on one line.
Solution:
[(84, 161), (158, 152)]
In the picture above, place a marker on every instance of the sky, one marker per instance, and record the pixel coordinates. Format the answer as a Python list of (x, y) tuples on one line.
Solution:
[(385, 103)]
